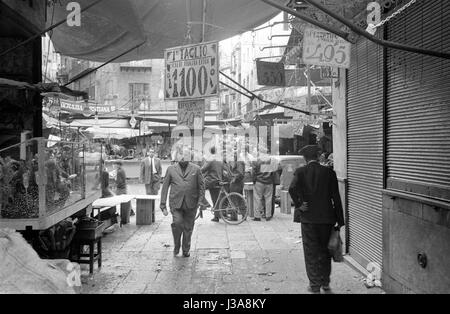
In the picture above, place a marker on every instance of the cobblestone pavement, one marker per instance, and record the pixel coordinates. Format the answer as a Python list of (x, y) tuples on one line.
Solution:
[(253, 257)]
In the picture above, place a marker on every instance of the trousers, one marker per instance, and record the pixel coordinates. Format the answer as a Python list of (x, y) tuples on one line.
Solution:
[(183, 220), (317, 258), (214, 196), (152, 188), (263, 191)]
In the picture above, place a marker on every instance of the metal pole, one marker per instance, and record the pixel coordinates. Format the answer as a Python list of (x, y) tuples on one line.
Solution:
[(236, 90), (204, 20), (384, 43), (102, 65), (45, 31), (308, 80), (262, 100), (308, 19)]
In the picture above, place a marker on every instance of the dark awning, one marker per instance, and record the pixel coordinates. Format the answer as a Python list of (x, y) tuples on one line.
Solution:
[(112, 27)]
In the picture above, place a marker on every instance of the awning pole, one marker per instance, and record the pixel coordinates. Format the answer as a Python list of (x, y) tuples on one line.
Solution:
[(236, 90), (44, 31), (357, 30), (102, 65), (385, 43), (262, 100), (308, 80), (308, 19)]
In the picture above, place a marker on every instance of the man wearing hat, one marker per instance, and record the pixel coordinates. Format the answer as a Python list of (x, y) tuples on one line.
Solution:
[(314, 190)]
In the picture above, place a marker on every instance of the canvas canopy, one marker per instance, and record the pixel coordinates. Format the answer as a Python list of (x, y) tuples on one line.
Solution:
[(111, 27)]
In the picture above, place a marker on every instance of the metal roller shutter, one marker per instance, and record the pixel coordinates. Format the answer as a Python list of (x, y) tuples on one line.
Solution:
[(365, 152), (418, 102)]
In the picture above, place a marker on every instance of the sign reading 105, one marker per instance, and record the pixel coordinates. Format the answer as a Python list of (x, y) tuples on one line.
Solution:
[(191, 71)]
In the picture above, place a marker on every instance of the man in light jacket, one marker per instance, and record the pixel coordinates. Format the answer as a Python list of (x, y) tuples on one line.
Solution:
[(187, 190), (151, 173)]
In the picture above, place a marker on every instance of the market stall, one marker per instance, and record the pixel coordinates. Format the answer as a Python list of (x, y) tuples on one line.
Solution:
[(44, 182)]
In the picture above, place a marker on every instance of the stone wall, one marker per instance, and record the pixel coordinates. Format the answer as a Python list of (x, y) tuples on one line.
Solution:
[(412, 227)]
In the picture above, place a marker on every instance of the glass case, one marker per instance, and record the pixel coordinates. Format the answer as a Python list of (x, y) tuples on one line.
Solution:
[(44, 181)]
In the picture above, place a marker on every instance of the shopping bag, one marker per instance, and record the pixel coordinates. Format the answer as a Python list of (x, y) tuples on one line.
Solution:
[(335, 246)]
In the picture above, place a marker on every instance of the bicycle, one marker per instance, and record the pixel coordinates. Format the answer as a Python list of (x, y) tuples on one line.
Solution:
[(232, 207)]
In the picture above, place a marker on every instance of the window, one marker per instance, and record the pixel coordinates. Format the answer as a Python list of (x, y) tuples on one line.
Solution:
[(139, 95)]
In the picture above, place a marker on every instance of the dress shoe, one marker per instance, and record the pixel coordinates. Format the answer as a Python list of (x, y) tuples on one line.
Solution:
[(269, 218), (314, 290), (176, 252), (256, 219), (186, 254), (215, 219), (326, 288)]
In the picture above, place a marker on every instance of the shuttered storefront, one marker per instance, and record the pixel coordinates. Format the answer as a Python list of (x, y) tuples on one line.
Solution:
[(365, 152), (418, 102)]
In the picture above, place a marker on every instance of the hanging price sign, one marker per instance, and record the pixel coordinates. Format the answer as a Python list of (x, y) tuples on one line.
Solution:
[(191, 113), (326, 49), (192, 71)]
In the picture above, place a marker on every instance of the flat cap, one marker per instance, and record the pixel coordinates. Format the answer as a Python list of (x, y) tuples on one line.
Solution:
[(310, 151)]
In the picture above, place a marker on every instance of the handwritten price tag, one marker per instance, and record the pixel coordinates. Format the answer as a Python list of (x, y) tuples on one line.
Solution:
[(325, 49)]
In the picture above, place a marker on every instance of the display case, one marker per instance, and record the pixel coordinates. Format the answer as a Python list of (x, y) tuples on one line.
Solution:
[(43, 182)]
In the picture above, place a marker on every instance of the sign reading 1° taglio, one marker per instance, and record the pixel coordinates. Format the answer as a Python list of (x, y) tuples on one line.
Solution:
[(192, 71), (191, 113), (326, 49)]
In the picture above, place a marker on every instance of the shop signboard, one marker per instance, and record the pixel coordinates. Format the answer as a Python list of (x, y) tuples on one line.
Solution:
[(329, 73), (297, 103), (192, 71), (191, 113), (325, 49), (270, 73), (79, 107)]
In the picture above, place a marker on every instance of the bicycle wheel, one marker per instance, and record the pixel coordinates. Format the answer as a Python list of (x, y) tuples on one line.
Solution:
[(233, 209)]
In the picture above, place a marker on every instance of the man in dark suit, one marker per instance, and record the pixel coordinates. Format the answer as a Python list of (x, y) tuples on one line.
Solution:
[(187, 190), (151, 173), (314, 190)]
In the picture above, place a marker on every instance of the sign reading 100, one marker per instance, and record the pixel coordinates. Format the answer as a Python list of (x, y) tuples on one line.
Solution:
[(191, 71)]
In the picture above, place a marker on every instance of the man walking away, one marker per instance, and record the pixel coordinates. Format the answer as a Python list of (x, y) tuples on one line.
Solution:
[(187, 189), (314, 191), (212, 171), (151, 173)]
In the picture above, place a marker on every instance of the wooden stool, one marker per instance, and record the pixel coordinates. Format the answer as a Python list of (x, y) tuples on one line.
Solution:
[(145, 209), (92, 257), (248, 191), (285, 202)]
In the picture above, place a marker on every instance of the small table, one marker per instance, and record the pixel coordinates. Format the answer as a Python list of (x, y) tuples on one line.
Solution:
[(248, 191), (123, 200), (145, 209)]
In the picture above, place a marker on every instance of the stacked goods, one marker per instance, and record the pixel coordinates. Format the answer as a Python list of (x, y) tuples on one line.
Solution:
[(56, 241), (19, 193)]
